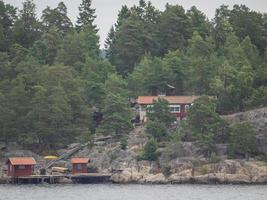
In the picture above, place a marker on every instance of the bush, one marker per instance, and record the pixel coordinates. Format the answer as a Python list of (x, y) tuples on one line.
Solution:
[(166, 171), (124, 143), (206, 125), (156, 130), (150, 151), (214, 158), (242, 140)]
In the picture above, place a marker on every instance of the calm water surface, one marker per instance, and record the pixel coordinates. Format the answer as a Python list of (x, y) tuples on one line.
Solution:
[(132, 192)]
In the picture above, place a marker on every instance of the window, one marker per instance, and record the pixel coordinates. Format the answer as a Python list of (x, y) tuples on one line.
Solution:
[(187, 108), (149, 108), (174, 108), (21, 167), (79, 166)]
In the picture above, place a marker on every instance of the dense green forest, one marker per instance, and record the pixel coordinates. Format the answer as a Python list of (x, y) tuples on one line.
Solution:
[(53, 74)]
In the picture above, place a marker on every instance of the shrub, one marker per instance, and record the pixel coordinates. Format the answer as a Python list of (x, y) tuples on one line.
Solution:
[(156, 130), (242, 140), (206, 125), (166, 170), (150, 151), (124, 143), (214, 158)]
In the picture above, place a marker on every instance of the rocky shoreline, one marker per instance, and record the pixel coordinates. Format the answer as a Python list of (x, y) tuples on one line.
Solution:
[(179, 163), (226, 172)]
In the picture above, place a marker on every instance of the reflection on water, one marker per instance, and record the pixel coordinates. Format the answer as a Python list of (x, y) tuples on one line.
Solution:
[(132, 192)]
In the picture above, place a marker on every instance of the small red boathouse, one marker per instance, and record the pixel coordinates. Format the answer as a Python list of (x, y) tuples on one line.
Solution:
[(79, 165), (20, 166)]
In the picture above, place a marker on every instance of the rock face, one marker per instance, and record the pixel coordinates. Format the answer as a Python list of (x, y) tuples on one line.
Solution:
[(257, 118), (227, 172), (178, 163)]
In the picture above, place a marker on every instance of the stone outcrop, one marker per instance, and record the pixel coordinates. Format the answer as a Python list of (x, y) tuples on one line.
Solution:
[(227, 172), (257, 118)]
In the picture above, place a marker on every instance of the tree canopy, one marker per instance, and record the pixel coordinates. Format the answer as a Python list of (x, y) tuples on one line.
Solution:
[(54, 76)]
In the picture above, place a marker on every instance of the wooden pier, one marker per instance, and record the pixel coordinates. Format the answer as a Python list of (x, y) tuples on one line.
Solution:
[(36, 179), (54, 179)]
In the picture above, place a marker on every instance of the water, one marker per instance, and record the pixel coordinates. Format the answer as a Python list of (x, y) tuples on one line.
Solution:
[(132, 192)]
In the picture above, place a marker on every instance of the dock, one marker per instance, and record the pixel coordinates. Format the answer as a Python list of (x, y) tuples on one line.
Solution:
[(54, 179), (36, 179)]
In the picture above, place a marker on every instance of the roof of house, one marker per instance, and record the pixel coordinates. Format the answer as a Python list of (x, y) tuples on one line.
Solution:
[(171, 99), (22, 161), (79, 160)]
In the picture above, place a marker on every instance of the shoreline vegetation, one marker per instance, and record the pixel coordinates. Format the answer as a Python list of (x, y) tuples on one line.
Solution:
[(59, 91)]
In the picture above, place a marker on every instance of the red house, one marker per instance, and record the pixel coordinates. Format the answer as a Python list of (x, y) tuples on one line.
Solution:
[(178, 105), (20, 166), (79, 165)]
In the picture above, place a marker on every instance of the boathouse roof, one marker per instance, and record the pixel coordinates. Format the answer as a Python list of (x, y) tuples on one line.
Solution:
[(79, 160), (22, 161)]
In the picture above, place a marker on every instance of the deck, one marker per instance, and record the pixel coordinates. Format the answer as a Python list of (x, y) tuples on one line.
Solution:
[(52, 179)]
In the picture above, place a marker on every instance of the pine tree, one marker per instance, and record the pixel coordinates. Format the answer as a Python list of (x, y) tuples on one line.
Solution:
[(27, 27), (86, 15), (57, 18)]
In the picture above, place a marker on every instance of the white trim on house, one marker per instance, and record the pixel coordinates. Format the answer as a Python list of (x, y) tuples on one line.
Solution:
[(175, 108)]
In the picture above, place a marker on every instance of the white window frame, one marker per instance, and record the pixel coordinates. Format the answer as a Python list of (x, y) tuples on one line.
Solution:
[(148, 107), (175, 108)]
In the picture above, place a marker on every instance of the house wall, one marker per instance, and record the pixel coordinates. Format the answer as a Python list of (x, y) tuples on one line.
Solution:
[(15, 171), (10, 169), (76, 170), (142, 113), (179, 115)]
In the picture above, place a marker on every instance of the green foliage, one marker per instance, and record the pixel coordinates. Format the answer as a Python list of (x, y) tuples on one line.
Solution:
[(56, 18), (157, 130), (242, 140), (150, 151), (46, 104), (258, 97), (124, 143), (174, 29), (27, 27), (116, 111), (160, 112), (214, 158), (86, 15), (78, 46), (7, 20), (206, 125), (45, 49)]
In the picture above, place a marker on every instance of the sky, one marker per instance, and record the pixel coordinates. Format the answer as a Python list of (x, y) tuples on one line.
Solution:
[(107, 10)]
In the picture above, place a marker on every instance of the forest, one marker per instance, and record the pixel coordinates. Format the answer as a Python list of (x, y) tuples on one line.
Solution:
[(54, 75)]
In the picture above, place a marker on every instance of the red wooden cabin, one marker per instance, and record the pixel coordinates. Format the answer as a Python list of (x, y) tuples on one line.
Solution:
[(178, 105), (20, 166), (79, 165)]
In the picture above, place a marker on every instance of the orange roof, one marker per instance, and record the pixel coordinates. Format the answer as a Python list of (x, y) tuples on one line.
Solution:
[(170, 99), (22, 161), (80, 160)]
